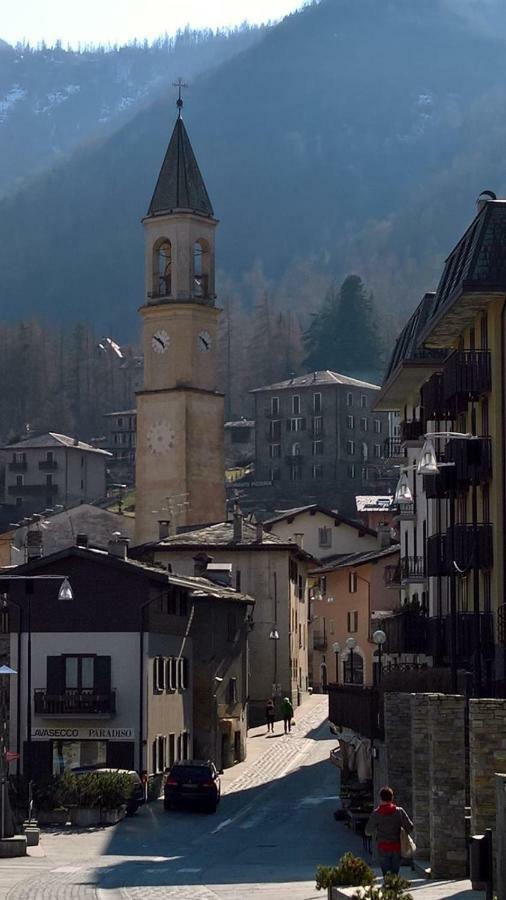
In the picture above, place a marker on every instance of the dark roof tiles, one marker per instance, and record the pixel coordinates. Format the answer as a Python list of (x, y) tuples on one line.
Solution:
[(180, 185)]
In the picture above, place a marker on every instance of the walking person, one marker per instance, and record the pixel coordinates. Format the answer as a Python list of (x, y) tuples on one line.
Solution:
[(287, 713), (270, 715), (384, 825)]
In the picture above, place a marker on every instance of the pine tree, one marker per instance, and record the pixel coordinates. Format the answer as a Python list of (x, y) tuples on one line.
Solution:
[(344, 336)]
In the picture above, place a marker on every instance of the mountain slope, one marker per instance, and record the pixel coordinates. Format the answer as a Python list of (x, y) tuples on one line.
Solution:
[(337, 118)]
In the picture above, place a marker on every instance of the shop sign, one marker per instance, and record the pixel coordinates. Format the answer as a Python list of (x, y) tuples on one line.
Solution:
[(83, 734)]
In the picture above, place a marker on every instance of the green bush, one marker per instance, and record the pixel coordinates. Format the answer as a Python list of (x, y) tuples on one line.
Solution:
[(351, 871), (106, 790), (47, 794), (393, 888)]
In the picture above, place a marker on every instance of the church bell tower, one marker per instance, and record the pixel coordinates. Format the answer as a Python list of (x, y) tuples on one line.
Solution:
[(180, 468)]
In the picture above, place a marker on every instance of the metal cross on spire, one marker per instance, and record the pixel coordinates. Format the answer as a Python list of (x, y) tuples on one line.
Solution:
[(180, 84)]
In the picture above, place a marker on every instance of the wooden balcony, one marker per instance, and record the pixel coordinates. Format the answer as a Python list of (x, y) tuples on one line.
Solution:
[(406, 632), (466, 376), (472, 459), (77, 704), (358, 708)]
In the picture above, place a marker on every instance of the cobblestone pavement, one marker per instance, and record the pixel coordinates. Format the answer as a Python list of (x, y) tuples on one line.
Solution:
[(273, 826)]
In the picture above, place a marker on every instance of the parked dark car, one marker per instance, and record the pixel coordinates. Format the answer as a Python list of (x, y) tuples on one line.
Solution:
[(136, 798), (195, 782)]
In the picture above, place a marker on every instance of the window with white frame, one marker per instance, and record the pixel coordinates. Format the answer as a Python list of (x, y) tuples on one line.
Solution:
[(365, 451), (350, 422), (363, 423), (350, 448), (159, 673), (325, 536), (317, 448), (317, 471), (377, 426), (351, 471), (296, 405), (377, 451), (159, 753), (296, 449), (275, 474), (274, 451), (296, 472), (365, 473), (317, 425), (349, 399), (182, 673), (298, 424), (275, 406)]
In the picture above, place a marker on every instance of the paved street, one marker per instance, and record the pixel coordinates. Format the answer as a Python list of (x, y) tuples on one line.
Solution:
[(273, 827)]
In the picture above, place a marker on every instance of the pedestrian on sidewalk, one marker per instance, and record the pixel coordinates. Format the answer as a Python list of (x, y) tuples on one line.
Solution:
[(384, 825), (287, 713), (270, 715)]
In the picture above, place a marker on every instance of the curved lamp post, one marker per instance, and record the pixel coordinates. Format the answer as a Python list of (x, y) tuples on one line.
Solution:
[(379, 637), (336, 646), (351, 644)]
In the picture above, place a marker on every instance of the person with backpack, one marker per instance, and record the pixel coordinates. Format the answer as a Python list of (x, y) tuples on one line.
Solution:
[(287, 713), (384, 825)]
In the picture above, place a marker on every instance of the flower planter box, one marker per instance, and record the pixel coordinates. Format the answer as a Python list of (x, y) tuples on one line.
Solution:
[(345, 893), (112, 816), (47, 817), (85, 816)]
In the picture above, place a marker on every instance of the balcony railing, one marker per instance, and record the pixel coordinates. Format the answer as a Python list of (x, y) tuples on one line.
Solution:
[(439, 630), (472, 458), (459, 545), (392, 448), (357, 708), (407, 512), (412, 430), (406, 632), (412, 568), (32, 490), (48, 465), (436, 407), (466, 376), (319, 640), (18, 466), (74, 703)]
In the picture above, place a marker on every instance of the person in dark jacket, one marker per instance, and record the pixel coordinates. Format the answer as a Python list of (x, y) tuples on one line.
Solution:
[(287, 713), (384, 825), (270, 715)]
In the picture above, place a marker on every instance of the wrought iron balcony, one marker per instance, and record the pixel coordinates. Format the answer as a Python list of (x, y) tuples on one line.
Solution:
[(466, 376), (436, 407), (472, 458), (48, 465), (412, 568), (412, 430), (439, 641), (460, 545), (406, 632), (20, 466), (80, 704)]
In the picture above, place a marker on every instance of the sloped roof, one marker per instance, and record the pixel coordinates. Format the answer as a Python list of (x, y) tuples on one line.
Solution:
[(286, 514), (407, 344), (180, 185), (356, 559), (52, 439), (316, 378)]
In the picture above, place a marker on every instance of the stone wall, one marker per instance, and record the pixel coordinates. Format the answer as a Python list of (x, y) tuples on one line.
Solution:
[(500, 836), (397, 710), (448, 849), (380, 770), (487, 744), (420, 768)]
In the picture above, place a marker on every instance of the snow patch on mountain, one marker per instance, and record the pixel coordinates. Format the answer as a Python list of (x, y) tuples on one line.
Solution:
[(8, 102), (55, 98)]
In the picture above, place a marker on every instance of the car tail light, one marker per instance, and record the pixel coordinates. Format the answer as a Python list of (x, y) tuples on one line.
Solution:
[(172, 782), (208, 784)]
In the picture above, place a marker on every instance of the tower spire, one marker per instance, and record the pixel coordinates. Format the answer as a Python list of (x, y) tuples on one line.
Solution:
[(180, 84)]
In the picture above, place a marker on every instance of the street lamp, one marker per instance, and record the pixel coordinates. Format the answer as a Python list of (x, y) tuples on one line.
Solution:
[(379, 637), (403, 493), (64, 593), (336, 646), (274, 636), (6, 823), (351, 644)]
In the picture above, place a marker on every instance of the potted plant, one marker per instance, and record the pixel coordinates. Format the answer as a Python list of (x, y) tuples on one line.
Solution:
[(351, 871), (115, 789), (394, 888), (47, 802)]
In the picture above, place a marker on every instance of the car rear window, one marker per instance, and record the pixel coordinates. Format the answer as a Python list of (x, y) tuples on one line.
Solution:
[(191, 773)]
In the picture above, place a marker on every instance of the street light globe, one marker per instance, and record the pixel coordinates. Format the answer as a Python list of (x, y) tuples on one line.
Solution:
[(427, 464), (274, 635), (65, 592), (351, 643), (336, 647), (379, 637)]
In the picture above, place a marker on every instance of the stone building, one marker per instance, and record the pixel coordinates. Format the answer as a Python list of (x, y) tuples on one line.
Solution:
[(121, 441), (52, 469), (274, 572), (180, 412), (317, 440), (321, 532)]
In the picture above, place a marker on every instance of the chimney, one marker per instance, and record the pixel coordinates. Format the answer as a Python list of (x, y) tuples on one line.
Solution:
[(237, 527), (259, 532), (299, 538), (118, 547), (484, 198), (200, 563), (163, 529), (383, 535), (34, 545), (76, 442), (81, 539)]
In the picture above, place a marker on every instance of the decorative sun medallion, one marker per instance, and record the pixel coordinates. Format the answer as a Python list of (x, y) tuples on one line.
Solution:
[(161, 438)]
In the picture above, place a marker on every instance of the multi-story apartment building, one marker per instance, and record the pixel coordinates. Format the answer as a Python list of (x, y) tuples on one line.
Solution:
[(317, 439), (121, 441), (53, 469), (447, 377)]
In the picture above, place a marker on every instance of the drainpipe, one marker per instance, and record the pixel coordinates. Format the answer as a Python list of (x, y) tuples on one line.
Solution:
[(503, 457)]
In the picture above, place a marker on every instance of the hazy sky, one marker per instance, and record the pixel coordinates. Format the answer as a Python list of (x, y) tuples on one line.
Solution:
[(119, 21)]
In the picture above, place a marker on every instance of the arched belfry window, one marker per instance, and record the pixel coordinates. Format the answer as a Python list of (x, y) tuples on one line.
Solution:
[(163, 269), (200, 269)]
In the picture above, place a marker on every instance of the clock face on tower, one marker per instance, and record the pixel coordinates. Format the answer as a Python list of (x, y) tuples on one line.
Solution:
[(161, 438), (204, 342), (160, 341)]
